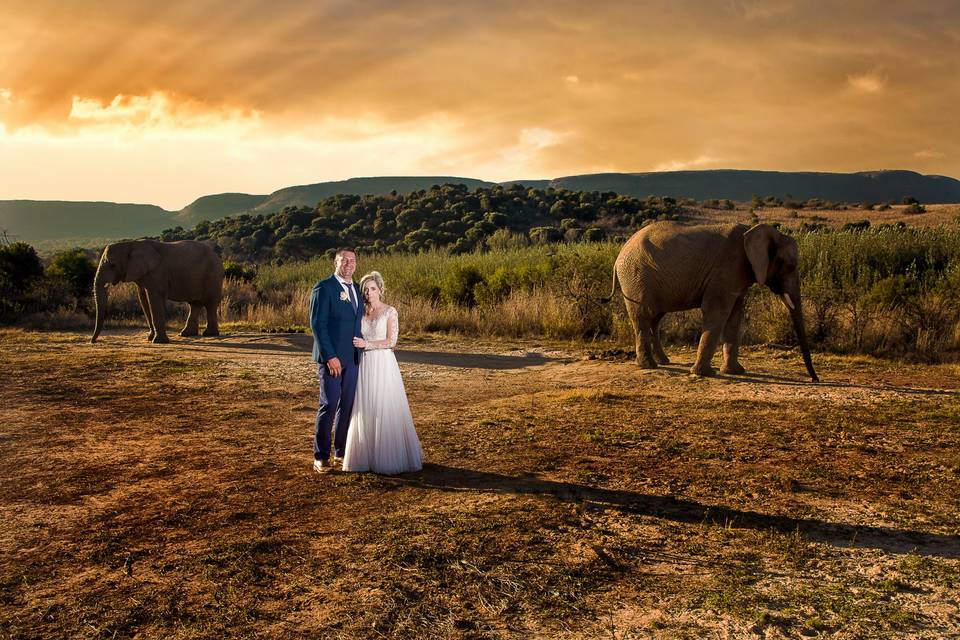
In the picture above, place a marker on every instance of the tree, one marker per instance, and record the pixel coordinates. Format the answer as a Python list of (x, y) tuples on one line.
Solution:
[(545, 235), (594, 234), (76, 268), (20, 267)]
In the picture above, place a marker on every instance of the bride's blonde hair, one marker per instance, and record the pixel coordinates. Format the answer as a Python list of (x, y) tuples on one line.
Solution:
[(378, 279)]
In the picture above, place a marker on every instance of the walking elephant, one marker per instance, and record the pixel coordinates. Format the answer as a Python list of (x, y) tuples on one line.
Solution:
[(184, 271), (668, 267)]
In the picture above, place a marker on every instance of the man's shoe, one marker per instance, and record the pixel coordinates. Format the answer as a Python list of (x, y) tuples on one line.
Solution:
[(338, 460), (322, 466)]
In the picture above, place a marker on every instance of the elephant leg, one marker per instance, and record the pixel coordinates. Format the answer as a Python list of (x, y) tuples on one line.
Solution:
[(714, 321), (213, 323), (643, 333), (658, 353), (731, 340), (145, 305), (158, 308), (192, 327)]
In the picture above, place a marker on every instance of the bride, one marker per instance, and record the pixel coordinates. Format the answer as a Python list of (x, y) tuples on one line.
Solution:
[(381, 437)]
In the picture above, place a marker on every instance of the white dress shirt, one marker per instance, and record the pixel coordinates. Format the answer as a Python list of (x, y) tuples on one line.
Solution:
[(347, 285)]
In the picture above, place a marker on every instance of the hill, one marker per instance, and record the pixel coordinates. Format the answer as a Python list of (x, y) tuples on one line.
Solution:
[(36, 221), (218, 206), (740, 185), (445, 216), (51, 223), (310, 194)]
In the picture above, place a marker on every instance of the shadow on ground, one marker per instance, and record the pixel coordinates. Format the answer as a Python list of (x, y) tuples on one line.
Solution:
[(889, 539), (683, 370)]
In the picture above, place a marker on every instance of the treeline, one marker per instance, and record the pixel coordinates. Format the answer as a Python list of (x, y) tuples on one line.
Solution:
[(449, 217), (28, 286)]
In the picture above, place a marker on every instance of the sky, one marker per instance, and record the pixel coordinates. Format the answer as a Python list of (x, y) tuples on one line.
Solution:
[(142, 101)]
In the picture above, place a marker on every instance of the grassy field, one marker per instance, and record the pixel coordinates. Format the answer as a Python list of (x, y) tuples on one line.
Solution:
[(166, 491), (891, 290)]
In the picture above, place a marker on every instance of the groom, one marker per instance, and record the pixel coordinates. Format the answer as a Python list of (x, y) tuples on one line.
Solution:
[(335, 312)]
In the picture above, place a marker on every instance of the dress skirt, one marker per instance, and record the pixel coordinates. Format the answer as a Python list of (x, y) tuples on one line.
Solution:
[(381, 437)]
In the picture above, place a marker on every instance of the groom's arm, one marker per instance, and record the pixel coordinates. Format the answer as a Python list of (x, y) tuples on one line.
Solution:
[(319, 318)]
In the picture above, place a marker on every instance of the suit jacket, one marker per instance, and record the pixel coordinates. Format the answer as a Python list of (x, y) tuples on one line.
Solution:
[(334, 322)]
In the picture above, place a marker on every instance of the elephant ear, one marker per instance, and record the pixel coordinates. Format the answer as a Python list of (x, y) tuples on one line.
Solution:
[(144, 258), (756, 243)]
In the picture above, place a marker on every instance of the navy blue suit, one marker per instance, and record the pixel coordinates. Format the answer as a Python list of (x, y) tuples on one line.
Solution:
[(335, 322)]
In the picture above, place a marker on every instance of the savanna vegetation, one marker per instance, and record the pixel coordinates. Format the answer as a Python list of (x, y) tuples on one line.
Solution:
[(444, 217), (516, 262)]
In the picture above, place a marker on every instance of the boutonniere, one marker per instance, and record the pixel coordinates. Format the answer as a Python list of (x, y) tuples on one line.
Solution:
[(344, 296)]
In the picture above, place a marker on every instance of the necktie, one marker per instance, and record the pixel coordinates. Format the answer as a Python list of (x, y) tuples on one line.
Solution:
[(353, 297)]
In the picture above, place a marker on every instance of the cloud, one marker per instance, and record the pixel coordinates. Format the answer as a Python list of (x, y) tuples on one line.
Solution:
[(929, 154), (700, 162), (763, 9), (870, 82), (157, 110), (494, 89)]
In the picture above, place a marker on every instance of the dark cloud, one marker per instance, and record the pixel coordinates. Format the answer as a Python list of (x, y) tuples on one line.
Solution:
[(773, 84)]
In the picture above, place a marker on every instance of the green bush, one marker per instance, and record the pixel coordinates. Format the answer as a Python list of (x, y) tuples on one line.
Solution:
[(239, 272), (594, 234), (459, 286), (861, 225), (545, 235), (77, 269), (914, 208)]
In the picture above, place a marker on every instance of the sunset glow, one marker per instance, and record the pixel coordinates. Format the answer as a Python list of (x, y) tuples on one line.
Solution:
[(132, 101)]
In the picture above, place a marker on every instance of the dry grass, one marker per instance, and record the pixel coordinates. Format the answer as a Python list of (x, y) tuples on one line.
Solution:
[(935, 215), (167, 492)]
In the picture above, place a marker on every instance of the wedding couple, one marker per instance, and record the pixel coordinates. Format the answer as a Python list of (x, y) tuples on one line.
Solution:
[(362, 398)]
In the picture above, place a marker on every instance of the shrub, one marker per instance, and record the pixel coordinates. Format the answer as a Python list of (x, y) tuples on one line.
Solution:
[(861, 225), (594, 234), (77, 269), (20, 268), (459, 284), (505, 240), (915, 207), (234, 271), (545, 235)]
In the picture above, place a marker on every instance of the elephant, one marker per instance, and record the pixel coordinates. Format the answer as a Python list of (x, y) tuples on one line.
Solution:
[(184, 271), (668, 267)]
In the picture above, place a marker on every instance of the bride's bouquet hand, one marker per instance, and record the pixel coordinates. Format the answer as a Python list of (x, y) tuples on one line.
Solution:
[(359, 343)]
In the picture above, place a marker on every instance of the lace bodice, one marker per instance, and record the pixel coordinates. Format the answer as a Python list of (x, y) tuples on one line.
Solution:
[(382, 331)]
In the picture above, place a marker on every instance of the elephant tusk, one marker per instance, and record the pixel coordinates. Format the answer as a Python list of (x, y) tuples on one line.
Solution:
[(787, 301)]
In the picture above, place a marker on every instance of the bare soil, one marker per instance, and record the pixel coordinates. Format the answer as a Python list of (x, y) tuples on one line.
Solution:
[(167, 491)]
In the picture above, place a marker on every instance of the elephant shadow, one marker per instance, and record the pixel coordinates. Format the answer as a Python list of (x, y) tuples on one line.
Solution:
[(678, 369), (682, 369), (838, 534)]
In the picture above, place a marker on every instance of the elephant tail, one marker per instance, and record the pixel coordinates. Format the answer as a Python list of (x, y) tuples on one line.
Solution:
[(613, 288)]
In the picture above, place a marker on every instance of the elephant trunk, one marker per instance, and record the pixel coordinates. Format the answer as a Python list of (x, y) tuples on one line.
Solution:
[(792, 301), (100, 298)]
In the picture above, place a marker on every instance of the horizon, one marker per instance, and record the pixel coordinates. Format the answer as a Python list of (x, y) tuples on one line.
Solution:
[(130, 102), (387, 177)]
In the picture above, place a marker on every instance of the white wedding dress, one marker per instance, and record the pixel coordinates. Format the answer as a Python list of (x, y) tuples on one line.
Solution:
[(381, 437)]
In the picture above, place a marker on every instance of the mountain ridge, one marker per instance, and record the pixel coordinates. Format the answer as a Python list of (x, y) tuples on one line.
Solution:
[(49, 220)]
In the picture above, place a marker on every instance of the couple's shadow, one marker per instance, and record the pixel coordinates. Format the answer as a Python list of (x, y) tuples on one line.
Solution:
[(889, 539)]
